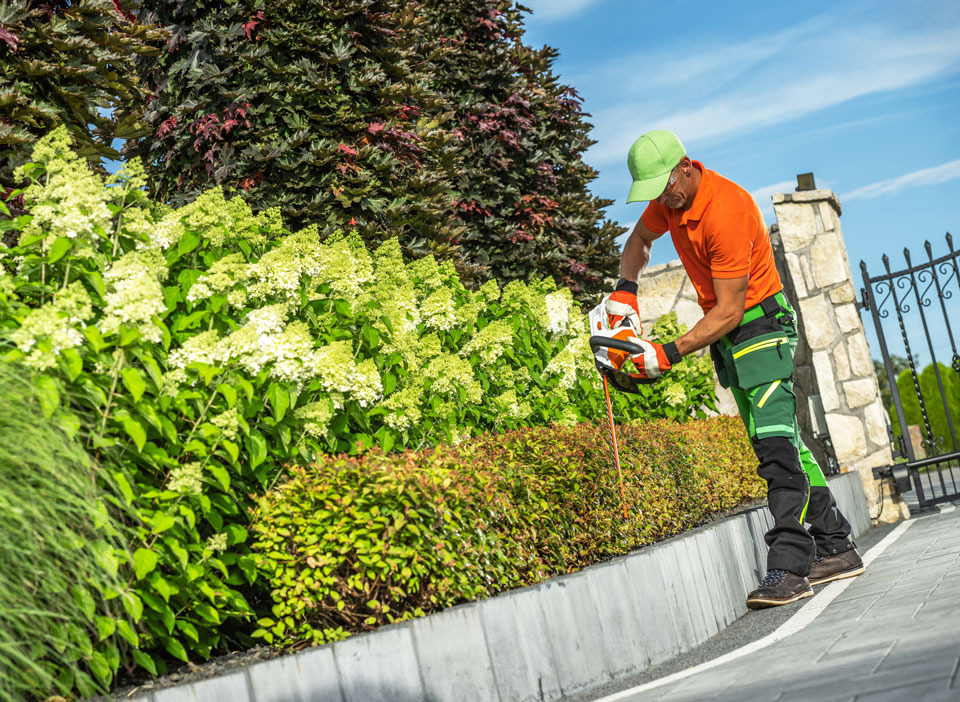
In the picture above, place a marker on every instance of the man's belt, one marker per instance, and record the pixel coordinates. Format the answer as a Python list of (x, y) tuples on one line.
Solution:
[(765, 308)]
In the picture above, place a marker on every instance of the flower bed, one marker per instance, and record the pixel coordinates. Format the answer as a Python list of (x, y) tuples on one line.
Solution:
[(194, 352)]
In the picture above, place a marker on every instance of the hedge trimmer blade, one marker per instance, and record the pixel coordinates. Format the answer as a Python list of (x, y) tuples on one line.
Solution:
[(616, 450)]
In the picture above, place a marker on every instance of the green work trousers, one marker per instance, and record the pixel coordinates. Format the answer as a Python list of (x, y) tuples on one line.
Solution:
[(755, 361)]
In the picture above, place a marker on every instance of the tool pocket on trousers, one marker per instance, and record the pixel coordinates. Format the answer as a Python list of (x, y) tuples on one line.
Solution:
[(717, 357), (762, 359)]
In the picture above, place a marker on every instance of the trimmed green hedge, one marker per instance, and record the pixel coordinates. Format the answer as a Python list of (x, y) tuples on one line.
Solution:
[(352, 543)]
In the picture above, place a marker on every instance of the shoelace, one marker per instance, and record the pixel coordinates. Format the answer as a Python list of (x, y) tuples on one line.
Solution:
[(818, 558), (773, 577)]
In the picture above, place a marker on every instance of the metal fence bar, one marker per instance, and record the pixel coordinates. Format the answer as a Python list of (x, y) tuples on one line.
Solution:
[(915, 285)]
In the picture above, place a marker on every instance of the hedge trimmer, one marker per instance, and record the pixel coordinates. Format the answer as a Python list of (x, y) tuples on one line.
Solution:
[(611, 348)]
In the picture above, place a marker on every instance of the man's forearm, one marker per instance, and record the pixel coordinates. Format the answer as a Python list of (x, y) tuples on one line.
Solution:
[(714, 324), (635, 257)]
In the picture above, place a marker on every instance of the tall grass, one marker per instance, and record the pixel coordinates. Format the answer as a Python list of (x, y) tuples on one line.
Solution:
[(56, 558)]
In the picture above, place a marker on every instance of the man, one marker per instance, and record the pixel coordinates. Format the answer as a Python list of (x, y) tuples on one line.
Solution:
[(722, 241)]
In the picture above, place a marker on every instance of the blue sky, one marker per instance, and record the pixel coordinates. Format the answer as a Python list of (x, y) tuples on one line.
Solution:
[(866, 95)]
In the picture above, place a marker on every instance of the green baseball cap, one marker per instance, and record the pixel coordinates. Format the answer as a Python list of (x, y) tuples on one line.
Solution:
[(650, 160)]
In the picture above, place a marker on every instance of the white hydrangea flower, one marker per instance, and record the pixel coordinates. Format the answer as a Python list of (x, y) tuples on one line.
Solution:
[(403, 407), (134, 294), (512, 406), (228, 422), (226, 275), (204, 347), (439, 310), (558, 312), (675, 395), (316, 417), (448, 372), (53, 327), (71, 201), (186, 479), (167, 232), (490, 342), (574, 358), (217, 543), (335, 366), (367, 387)]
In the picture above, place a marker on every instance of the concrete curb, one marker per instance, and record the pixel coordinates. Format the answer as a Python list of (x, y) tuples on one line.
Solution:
[(543, 642)]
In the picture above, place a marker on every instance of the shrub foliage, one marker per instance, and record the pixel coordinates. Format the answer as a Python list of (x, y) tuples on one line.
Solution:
[(427, 121), (349, 544), (67, 62), (195, 351)]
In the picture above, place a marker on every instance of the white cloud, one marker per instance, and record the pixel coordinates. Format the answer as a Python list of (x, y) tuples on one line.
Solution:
[(926, 176), (731, 89), (557, 9)]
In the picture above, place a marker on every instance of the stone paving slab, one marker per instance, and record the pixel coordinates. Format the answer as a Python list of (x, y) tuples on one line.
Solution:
[(894, 634)]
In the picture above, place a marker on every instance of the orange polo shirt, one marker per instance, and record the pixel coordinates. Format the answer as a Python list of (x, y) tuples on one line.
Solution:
[(721, 235)]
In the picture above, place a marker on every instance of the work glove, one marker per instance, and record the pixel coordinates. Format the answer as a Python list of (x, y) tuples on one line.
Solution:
[(622, 304), (655, 359)]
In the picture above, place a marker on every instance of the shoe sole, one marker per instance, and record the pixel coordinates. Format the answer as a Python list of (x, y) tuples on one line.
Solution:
[(853, 572), (765, 603)]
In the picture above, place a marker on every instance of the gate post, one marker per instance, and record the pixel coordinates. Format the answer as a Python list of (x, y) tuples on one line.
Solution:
[(833, 358)]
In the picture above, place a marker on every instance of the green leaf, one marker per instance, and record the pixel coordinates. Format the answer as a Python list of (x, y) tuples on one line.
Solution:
[(178, 550), (124, 486), (257, 448), (45, 389), (100, 668), (72, 363), (207, 612), (161, 521), (84, 600), (161, 586), (144, 561), (59, 249), (221, 475), (232, 449), (189, 630), (175, 648), (145, 661), (188, 242), (106, 626), (132, 605), (236, 534), (93, 336), (127, 632), (279, 399), (229, 394), (134, 430), (134, 382)]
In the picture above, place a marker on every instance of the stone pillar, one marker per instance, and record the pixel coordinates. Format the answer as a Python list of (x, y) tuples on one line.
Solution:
[(833, 358)]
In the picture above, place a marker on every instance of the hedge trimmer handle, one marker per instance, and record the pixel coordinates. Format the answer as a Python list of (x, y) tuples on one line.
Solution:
[(605, 338)]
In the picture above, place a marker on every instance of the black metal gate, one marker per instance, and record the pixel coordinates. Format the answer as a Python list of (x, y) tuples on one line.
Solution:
[(919, 295)]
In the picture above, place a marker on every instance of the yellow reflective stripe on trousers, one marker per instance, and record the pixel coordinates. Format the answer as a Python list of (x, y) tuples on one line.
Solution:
[(773, 386), (805, 505), (761, 345)]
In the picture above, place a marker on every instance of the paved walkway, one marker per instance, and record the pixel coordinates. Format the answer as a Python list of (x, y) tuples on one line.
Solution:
[(891, 634)]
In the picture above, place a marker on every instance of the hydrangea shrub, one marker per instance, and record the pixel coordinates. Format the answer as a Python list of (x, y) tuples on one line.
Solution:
[(197, 351)]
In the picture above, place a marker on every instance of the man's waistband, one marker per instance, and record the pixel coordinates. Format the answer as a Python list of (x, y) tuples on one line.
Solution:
[(766, 307)]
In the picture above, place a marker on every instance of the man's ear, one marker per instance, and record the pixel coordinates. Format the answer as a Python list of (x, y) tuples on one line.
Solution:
[(685, 165)]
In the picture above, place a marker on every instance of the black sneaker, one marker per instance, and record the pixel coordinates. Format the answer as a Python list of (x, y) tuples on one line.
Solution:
[(837, 567), (779, 587)]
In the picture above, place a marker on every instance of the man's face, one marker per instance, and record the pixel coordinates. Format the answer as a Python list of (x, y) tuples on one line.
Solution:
[(677, 194)]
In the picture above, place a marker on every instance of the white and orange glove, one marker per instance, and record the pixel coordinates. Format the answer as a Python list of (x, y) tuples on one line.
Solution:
[(622, 305)]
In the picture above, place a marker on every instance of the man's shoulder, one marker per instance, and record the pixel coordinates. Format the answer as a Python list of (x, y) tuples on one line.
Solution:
[(727, 188)]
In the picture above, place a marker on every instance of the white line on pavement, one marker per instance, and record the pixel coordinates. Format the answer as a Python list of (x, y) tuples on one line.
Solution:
[(798, 621)]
